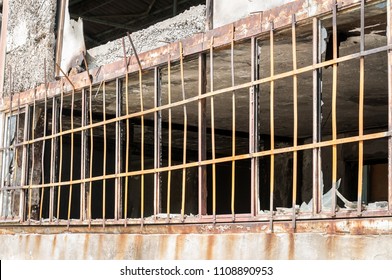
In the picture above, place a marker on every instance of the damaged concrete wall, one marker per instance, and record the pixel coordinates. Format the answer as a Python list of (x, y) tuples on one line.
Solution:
[(229, 11), (202, 245), (30, 41), (174, 29)]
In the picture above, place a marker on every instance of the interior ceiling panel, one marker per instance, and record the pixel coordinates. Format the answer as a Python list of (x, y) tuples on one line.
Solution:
[(106, 20)]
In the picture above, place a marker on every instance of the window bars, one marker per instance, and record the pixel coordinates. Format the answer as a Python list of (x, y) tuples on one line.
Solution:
[(125, 151)]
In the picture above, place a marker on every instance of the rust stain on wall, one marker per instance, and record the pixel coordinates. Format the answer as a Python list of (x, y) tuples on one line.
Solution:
[(86, 245), (291, 246), (54, 245), (210, 247)]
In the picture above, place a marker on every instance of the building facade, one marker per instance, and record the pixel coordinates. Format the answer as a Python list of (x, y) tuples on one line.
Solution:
[(265, 138)]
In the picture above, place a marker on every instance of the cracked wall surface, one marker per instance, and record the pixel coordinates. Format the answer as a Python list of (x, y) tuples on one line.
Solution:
[(174, 29), (30, 41)]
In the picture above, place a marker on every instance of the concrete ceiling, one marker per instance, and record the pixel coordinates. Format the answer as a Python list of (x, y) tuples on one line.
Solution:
[(105, 20), (376, 88)]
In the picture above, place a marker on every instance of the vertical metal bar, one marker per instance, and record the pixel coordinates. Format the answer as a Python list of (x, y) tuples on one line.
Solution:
[(157, 140), (316, 118), (84, 201), (83, 158), (169, 136), (272, 128), (213, 130), (119, 152), (233, 129), (72, 157), (126, 148), (125, 201), (24, 162), (361, 101), (142, 144), (253, 126), (389, 34), (43, 146), (90, 193), (319, 121), (53, 152), (185, 132), (295, 110), (61, 149), (104, 155), (32, 157), (11, 147), (334, 120), (16, 141), (202, 135)]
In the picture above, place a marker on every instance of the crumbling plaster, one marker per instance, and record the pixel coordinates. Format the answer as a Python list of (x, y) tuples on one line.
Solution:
[(174, 29), (30, 41), (298, 246)]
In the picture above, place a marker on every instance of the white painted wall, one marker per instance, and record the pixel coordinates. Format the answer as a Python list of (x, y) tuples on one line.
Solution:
[(227, 11)]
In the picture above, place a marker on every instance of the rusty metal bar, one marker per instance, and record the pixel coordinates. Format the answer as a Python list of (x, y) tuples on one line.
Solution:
[(23, 179), (91, 155), (125, 204), (213, 130), (83, 157), (272, 128), (53, 152), (84, 198), (104, 155), (202, 136), (233, 129), (170, 136), (334, 117), (43, 144), (254, 127), (134, 51), (316, 165), (157, 140), (16, 158), (361, 101), (389, 34), (185, 132), (295, 116), (142, 144), (66, 76), (72, 158), (32, 158), (61, 150), (119, 152)]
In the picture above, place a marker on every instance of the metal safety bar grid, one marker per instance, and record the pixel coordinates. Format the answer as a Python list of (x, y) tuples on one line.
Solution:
[(123, 173)]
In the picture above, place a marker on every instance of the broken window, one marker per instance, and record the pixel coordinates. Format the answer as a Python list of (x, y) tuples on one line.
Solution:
[(290, 123), (12, 158)]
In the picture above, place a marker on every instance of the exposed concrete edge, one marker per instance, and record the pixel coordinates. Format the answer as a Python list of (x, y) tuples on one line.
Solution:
[(195, 246), (355, 226), (254, 25)]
